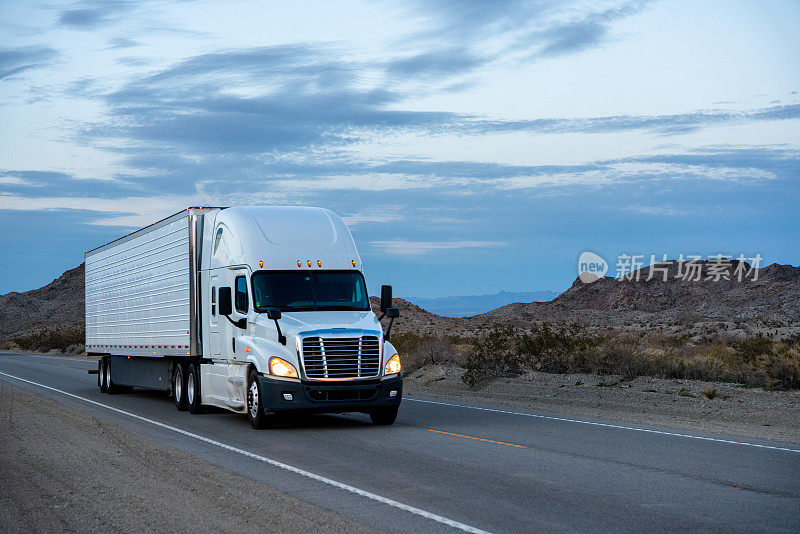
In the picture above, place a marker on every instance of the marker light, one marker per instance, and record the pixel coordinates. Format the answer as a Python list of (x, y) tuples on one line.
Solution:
[(298, 263), (280, 367), (353, 262), (260, 263), (309, 263), (319, 263), (392, 366)]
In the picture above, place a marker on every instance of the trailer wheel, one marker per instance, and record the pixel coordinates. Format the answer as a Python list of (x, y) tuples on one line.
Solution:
[(384, 416), (179, 387), (193, 389), (255, 411), (101, 369)]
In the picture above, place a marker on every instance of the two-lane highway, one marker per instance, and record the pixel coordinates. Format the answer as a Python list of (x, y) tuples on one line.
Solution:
[(445, 466)]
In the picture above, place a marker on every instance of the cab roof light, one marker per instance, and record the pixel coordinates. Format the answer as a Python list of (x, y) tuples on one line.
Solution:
[(319, 263), (261, 263), (298, 263), (353, 262), (309, 263)]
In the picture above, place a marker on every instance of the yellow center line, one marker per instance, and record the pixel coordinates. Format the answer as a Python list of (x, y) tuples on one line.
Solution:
[(477, 439)]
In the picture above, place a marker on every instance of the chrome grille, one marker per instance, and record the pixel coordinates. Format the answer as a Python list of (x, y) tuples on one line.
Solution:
[(341, 357)]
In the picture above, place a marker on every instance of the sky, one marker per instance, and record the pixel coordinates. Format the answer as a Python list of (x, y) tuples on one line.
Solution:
[(471, 147)]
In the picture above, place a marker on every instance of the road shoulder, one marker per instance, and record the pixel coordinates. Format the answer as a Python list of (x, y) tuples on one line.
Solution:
[(62, 469), (675, 404)]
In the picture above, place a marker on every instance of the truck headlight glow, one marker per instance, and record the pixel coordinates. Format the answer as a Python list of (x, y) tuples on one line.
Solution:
[(392, 366), (280, 367)]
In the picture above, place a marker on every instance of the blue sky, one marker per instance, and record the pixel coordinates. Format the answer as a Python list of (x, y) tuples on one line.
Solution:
[(470, 146)]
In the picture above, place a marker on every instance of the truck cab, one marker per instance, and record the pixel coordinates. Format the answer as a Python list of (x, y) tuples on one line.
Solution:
[(285, 320)]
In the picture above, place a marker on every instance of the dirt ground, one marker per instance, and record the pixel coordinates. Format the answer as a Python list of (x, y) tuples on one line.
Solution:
[(679, 404), (62, 470)]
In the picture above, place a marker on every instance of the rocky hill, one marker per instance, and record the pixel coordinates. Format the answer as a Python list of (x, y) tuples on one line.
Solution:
[(677, 295), (709, 293), (58, 304)]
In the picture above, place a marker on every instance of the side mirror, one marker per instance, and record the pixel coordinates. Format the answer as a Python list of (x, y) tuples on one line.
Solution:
[(386, 298), (274, 315), (225, 301), (392, 314)]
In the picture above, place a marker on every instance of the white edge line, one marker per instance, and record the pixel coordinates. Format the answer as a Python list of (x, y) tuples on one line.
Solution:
[(607, 425), (385, 500)]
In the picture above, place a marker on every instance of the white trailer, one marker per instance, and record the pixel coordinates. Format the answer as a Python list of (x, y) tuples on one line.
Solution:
[(258, 310)]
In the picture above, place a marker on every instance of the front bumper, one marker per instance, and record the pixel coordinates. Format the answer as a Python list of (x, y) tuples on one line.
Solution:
[(329, 397)]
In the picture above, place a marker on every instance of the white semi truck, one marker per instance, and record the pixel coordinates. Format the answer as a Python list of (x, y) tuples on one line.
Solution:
[(258, 310)]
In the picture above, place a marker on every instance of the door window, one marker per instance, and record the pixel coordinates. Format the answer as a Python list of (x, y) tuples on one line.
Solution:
[(241, 294)]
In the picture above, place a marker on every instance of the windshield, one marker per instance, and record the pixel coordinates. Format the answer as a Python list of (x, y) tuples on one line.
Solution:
[(309, 290)]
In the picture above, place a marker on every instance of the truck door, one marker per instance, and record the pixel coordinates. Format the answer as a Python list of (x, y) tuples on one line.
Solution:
[(241, 309), (213, 319)]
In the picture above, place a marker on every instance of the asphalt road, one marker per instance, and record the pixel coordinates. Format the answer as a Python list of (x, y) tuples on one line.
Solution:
[(443, 467)]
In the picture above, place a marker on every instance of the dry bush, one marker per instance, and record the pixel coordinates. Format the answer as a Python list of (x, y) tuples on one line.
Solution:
[(60, 339), (417, 351), (709, 392), (755, 362)]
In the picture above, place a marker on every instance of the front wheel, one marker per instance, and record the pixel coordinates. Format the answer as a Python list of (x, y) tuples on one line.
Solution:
[(255, 412), (384, 416)]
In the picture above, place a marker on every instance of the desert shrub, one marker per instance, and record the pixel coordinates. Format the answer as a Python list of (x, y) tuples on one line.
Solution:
[(493, 354), (753, 348), (782, 367), (419, 350), (709, 392), (754, 362), (48, 339), (505, 351)]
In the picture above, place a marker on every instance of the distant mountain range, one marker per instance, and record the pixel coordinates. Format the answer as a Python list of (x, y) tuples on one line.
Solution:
[(469, 305)]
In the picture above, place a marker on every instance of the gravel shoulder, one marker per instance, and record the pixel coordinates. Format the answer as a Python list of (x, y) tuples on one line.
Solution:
[(63, 470), (678, 404)]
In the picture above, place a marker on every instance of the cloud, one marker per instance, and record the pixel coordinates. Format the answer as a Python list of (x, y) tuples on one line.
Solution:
[(435, 64), (290, 98), (186, 124), (405, 247), (16, 60), (661, 124), (43, 184), (670, 211), (92, 14), (121, 42), (586, 32), (460, 36), (128, 212)]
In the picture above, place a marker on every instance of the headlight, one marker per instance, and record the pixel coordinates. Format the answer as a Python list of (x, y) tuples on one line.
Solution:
[(392, 366), (280, 367)]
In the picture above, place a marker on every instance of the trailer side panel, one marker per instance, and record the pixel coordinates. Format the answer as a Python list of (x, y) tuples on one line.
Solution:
[(138, 292)]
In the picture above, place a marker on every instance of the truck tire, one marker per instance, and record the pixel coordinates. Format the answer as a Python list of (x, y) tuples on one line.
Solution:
[(193, 389), (111, 388), (179, 387), (384, 416), (102, 378), (255, 411)]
